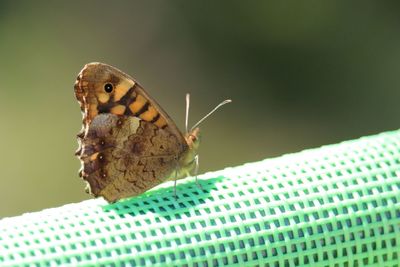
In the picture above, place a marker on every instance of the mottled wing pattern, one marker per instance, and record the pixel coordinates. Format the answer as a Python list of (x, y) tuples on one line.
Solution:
[(125, 156)]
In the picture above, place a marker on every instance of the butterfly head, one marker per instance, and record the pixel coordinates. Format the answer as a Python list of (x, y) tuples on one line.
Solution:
[(193, 139), (98, 87)]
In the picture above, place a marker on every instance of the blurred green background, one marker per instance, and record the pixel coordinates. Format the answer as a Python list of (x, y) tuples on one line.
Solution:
[(301, 75)]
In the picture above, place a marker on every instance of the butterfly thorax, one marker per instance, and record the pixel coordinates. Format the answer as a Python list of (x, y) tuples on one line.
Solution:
[(187, 162)]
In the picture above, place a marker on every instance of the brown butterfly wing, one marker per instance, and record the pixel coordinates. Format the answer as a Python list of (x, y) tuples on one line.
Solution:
[(125, 156), (128, 143)]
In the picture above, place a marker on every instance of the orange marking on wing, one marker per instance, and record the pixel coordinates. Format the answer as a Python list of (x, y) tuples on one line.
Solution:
[(118, 110), (149, 114), (93, 157), (93, 110), (122, 88), (137, 104), (103, 97), (161, 122)]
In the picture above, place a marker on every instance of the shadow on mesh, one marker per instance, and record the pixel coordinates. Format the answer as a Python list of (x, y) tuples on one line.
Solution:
[(163, 202)]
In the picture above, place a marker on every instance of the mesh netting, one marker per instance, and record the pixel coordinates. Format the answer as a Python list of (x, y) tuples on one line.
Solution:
[(336, 205)]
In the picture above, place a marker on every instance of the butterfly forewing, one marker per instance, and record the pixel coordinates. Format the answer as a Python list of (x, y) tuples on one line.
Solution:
[(126, 97)]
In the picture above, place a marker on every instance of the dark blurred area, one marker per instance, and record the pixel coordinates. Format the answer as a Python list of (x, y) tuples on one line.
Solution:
[(300, 74)]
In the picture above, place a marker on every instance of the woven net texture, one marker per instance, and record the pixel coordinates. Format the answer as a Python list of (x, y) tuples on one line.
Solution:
[(337, 205)]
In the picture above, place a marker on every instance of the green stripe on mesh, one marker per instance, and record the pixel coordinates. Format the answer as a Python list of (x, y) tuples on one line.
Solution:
[(337, 204)]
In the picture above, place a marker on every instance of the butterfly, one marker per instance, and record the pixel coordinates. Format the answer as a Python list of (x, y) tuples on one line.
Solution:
[(128, 144)]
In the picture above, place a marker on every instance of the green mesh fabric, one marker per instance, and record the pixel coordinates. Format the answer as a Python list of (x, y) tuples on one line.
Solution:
[(333, 206)]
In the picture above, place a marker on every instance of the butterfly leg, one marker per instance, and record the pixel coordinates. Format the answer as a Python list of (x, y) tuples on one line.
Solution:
[(196, 171), (176, 177)]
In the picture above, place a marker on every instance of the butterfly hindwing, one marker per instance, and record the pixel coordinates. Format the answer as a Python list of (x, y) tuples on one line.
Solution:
[(125, 156)]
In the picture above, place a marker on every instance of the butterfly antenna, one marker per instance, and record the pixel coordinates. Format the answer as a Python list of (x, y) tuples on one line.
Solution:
[(211, 112), (187, 113)]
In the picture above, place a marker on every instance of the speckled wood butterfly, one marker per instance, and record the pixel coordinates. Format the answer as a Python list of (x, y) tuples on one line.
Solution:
[(128, 143)]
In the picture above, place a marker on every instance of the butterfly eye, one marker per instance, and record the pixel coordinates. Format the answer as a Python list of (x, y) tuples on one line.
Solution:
[(108, 87)]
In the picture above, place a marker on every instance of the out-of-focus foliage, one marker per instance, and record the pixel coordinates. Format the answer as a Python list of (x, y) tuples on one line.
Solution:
[(301, 74)]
